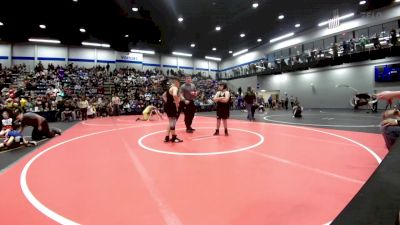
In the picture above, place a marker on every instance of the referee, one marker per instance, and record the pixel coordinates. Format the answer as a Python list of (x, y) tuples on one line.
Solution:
[(188, 94)]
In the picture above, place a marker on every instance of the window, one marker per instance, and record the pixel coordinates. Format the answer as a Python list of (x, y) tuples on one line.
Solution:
[(278, 55), (319, 44), (344, 37), (285, 53), (362, 32), (308, 47), (375, 30), (387, 27), (328, 42), (271, 57), (295, 50)]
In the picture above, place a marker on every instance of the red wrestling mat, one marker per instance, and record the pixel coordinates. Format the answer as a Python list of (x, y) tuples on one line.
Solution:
[(117, 171)]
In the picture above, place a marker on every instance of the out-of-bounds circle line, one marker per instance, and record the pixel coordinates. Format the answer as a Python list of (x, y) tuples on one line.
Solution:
[(370, 151), (63, 220), (149, 124), (29, 195), (140, 142), (330, 114), (316, 124)]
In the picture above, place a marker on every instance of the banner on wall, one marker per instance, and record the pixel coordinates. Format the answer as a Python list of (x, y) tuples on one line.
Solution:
[(131, 57)]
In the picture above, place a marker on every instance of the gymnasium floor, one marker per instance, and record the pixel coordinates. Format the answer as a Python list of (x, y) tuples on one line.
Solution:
[(118, 171)]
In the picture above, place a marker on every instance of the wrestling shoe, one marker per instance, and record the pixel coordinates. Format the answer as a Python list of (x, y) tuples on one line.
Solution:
[(176, 140)]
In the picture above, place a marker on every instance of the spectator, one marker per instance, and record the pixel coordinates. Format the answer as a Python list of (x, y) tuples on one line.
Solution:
[(393, 37), (83, 106), (249, 99), (297, 111), (377, 43), (116, 102)]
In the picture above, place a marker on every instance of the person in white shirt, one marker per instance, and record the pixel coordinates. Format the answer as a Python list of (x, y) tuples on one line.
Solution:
[(83, 105), (116, 102)]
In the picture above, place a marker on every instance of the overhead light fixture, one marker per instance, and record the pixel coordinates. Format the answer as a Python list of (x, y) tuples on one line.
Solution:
[(75, 0), (135, 9), (82, 30), (259, 40), (255, 5), (297, 25), (363, 2), (213, 58), (242, 35), (340, 18), (1, 24), (214, 49), (281, 17), (230, 52), (281, 37), (396, 0), (143, 51), (217, 28), (182, 54), (240, 52), (44, 40), (95, 44), (193, 45), (127, 35), (180, 19), (42, 26)]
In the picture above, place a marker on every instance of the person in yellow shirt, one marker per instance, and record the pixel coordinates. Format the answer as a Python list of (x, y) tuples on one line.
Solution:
[(11, 105), (148, 112), (23, 102)]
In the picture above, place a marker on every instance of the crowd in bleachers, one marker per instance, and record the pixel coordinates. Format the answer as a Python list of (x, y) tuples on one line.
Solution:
[(67, 93), (379, 45)]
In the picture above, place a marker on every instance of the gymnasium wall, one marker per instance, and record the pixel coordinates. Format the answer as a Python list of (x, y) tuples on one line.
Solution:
[(316, 88), (5, 53), (380, 16), (30, 54)]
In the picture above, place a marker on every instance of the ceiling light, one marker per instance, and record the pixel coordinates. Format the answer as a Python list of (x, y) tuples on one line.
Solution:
[(1, 24), (230, 52), (82, 30), (242, 35), (281, 37), (127, 35), (240, 52), (396, 0), (217, 28), (182, 54), (363, 2), (75, 0), (135, 9), (193, 45), (297, 25), (259, 40), (281, 17), (44, 41), (42, 26), (143, 51), (340, 18), (255, 5), (95, 44), (214, 49), (213, 58), (180, 19)]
